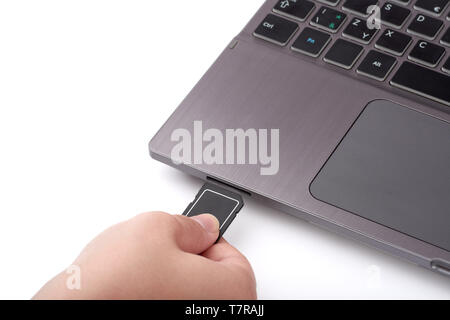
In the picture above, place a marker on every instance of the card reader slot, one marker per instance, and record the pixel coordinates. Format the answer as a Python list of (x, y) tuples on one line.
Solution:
[(219, 182)]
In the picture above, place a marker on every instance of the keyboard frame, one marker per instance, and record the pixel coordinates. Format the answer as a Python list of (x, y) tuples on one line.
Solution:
[(267, 8)]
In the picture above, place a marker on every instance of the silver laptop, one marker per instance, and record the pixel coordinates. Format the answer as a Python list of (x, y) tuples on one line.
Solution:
[(353, 99)]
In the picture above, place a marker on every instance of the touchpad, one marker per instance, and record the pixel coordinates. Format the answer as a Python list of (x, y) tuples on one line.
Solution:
[(393, 168)]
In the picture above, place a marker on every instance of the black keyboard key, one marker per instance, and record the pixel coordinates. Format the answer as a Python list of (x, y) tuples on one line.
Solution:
[(393, 42), (328, 19), (295, 9), (393, 15), (330, 2), (276, 30), (427, 53), (423, 81), (343, 54), (377, 65), (359, 7), (434, 7), (358, 30), (446, 38), (446, 67), (425, 26), (311, 42)]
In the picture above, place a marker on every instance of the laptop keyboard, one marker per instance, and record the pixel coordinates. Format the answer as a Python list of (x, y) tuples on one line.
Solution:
[(412, 33)]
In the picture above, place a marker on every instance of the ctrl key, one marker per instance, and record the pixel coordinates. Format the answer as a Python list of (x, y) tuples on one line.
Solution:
[(276, 30)]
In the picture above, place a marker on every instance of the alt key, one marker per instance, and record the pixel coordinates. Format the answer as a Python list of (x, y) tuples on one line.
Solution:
[(377, 65)]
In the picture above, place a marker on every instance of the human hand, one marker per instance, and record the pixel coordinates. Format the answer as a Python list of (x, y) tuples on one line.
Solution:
[(158, 256)]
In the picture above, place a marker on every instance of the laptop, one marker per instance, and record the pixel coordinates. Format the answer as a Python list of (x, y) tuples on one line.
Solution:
[(351, 99)]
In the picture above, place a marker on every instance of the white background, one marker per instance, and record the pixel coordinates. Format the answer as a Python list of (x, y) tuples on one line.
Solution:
[(84, 85)]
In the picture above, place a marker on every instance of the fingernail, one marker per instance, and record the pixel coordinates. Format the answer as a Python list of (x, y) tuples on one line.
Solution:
[(208, 222)]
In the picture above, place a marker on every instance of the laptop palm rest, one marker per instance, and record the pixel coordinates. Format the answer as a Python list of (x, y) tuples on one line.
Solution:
[(393, 168)]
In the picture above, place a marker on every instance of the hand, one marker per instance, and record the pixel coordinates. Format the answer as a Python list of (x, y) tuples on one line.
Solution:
[(158, 256)]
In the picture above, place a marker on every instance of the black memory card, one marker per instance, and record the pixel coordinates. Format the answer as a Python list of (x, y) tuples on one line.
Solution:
[(221, 202)]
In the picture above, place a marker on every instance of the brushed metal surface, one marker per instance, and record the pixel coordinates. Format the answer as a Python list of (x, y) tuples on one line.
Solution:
[(255, 84), (392, 168)]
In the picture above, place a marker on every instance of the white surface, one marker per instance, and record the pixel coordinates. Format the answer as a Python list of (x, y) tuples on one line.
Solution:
[(84, 85)]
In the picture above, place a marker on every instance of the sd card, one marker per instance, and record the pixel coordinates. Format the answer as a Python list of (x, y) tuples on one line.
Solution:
[(221, 202)]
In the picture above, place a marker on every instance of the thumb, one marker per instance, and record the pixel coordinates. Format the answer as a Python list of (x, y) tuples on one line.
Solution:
[(196, 234)]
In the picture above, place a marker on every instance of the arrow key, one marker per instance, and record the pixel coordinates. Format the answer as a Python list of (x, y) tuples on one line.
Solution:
[(377, 65)]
